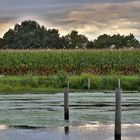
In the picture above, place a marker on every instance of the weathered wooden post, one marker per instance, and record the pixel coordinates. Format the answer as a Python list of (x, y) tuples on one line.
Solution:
[(68, 84), (88, 83), (66, 104), (118, 112), (119, 84)]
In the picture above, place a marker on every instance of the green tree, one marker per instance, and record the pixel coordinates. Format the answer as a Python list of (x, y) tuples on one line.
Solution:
[(103, 41), (91, 45), (118, 41), (2, 45), (131, 41), (52, 39), (64, 43), (9, 39), (76, 40), (27, 35)]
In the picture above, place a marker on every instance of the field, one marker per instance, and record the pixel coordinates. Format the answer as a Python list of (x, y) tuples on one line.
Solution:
[(50, 70), (73, 62)]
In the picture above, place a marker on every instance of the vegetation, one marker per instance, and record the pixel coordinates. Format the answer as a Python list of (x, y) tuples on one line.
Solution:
[(29, 50), (30, 35), (53, 84), (124, 62)]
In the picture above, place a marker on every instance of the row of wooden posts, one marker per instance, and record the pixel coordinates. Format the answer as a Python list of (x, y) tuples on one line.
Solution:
[(117, 130)]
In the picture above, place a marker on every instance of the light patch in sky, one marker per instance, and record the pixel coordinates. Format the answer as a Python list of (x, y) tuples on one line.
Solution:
[(4, 27)]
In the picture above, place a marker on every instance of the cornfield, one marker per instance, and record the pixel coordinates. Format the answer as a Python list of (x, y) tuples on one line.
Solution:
[(43, 62)]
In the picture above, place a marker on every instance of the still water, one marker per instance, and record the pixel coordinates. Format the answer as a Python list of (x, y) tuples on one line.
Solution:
[(33, 117), (83, 132)]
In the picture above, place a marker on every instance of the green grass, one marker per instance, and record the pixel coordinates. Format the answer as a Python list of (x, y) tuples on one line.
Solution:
[(54, 84)]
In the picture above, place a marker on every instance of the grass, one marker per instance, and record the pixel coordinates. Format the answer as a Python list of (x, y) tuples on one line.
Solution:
[(54, 84)]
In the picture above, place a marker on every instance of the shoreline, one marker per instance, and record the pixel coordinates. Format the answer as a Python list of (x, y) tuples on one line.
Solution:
[(76, 83)]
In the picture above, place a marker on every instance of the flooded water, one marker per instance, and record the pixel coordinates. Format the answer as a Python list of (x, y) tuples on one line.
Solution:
[(83, 132), (33, 117)]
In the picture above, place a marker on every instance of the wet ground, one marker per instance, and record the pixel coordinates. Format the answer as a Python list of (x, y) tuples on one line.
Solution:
[(91, 117)]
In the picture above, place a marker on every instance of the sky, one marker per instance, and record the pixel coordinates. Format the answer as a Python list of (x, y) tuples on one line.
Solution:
[(89, 17)]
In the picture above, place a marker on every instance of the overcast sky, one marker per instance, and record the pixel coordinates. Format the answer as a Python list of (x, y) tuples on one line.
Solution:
[(89, 17)]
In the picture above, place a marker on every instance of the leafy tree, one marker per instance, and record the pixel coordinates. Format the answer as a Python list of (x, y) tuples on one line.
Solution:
[(103, 41), (27, 35), (131, 41), (91, 45), (9, 39), (52, 39), (119, 41), (1, 43), (64, 43), (76, 40)]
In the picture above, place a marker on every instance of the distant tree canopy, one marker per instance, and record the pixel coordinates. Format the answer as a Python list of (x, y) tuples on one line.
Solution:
[(119, 41), (30, 35)]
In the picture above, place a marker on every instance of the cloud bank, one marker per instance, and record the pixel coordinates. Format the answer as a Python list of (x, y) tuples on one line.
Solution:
[(90, 17)]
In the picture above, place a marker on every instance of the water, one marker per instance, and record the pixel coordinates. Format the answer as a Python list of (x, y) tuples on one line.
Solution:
[(91, 117), (83, 132)]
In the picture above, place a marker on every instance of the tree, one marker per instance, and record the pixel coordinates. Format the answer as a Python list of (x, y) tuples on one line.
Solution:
[(1, 43), (76, 40), (64, 43), (91, 45), (27, 35), (9, 39), (119, 41), (131, 41), (103, 41), (52, 39)]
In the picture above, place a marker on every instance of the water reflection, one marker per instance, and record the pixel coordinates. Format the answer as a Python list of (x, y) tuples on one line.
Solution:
[(66, 131), (3, 127), (117, 137), (82, 132)]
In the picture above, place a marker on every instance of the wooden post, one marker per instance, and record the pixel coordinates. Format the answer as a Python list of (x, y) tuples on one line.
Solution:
[(88, 83), (66, 104), (118, 112), (68, 85), (119, 84)]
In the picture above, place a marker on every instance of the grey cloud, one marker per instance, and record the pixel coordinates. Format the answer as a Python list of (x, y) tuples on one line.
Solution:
[(7, 4), (95, 19), (91, 17)]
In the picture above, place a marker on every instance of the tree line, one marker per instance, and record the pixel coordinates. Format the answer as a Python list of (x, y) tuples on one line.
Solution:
[(31, 35)]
